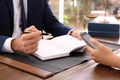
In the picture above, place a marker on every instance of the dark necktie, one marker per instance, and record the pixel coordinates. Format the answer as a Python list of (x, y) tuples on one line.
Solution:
[(23, 18)]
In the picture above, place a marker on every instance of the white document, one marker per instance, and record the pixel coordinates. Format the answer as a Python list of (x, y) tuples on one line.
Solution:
[(58, 47)]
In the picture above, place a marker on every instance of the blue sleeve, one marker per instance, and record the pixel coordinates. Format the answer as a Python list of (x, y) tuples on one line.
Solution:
[(51, 24), (2, 40)]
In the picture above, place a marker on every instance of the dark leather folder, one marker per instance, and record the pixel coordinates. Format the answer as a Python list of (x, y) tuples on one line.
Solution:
[(103, 29)]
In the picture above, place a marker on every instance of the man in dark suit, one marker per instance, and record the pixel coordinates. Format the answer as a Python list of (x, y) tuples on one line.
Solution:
[(38, 14)]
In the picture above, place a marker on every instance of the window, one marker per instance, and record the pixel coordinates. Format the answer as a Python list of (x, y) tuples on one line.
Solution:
[(76, 11)]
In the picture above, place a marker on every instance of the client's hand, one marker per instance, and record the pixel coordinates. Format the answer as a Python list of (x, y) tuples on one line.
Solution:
[(103, 55), (27, 43)]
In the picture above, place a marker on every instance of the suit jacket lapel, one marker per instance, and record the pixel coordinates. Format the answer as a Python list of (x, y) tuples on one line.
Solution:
[(10, 6)]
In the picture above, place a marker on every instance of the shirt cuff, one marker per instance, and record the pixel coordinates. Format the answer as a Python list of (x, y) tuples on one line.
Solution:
[(69, 33), (7, 46)]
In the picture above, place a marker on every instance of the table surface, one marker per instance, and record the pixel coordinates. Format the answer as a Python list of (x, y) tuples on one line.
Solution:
[(89, 70), (86, 71)]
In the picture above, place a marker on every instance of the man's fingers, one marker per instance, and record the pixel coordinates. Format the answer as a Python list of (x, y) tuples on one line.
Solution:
[(31, 29), (30, 49), (32, 35)]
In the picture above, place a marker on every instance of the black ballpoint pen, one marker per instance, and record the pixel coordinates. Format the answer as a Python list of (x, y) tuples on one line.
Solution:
[(41, 34)]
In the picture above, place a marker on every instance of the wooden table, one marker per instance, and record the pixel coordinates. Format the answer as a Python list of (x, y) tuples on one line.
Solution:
[(86, 71)]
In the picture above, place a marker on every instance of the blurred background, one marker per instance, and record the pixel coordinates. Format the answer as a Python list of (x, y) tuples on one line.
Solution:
[(77, 13)]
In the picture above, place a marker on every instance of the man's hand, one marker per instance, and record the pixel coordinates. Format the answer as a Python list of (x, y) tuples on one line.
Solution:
[(31, 29), (27, 43), (76, 34)]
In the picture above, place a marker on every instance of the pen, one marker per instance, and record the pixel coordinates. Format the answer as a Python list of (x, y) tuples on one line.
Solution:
[(41, 34)]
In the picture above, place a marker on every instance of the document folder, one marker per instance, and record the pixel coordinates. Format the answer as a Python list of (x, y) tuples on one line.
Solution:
[(103, 29)]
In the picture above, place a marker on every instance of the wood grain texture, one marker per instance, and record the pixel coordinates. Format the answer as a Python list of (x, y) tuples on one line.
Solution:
[(28, 68)]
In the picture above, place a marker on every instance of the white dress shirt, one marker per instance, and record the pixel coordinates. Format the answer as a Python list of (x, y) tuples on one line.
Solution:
[(17, 21)]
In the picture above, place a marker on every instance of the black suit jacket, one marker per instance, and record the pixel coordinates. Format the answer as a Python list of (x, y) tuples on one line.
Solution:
[(39, 14)]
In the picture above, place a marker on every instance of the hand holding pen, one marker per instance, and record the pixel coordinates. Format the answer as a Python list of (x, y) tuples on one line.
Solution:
[(27, 43)]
